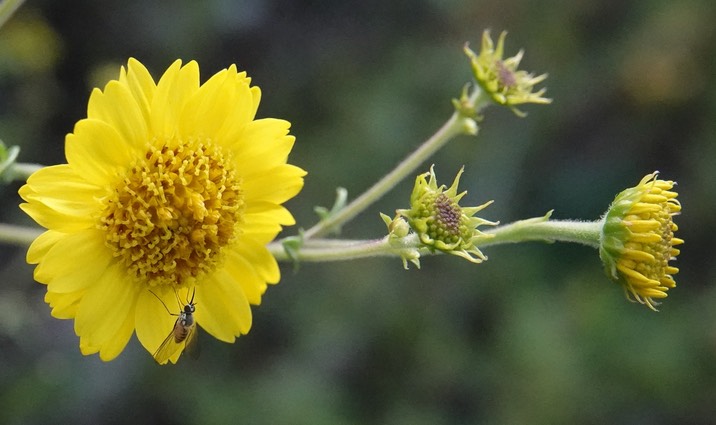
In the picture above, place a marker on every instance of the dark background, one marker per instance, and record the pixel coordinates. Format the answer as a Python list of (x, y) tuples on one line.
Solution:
[(537, 335)]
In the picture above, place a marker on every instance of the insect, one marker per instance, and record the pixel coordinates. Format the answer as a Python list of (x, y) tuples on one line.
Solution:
[(183, 334)]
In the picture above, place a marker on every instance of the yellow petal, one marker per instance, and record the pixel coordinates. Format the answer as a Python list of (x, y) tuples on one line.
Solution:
[(277, 185), (74, 263), (207, 110), (59, 199), (256, 96), (86, 348), (243, 272), (152, 320), (266, 139), (105, 307), (51, 219), (240, 113), (61, 181), (275, 212), (117, 107), (64, 306), (115, 345), (175, 87), (42, 245), (225, 311), (259, 256), (260, 224), (140, 84), (99, 153), (68, 255)]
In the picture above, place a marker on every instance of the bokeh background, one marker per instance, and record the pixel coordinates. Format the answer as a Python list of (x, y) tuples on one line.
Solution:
[(536, 335)]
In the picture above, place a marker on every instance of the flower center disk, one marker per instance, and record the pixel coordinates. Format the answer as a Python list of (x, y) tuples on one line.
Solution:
[(173, 211), (446, 223)]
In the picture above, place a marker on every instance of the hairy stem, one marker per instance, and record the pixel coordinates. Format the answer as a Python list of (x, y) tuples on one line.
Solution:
[(18, 235), (529, 230), (582, 232)]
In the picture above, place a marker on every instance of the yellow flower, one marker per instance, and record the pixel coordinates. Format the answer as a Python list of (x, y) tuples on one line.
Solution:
[(500, 79), (171, 189), (637, 240), (440, 222)]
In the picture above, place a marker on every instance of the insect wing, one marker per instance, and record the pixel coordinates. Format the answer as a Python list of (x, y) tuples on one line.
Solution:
[(192, 342), (183, 335), (169, 347)]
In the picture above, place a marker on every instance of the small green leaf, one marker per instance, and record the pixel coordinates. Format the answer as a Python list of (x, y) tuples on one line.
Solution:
[(7, 159), (340, 203), (292, 245)]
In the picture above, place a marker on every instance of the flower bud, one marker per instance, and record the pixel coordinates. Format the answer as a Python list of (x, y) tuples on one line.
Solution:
[(500, 79), (440, 222)]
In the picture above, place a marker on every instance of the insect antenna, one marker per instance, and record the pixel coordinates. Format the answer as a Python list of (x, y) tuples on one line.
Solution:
[(176, 294), (193, 292), (165, 306)]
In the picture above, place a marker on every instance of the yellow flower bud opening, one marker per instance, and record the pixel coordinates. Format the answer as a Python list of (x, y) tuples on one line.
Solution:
[(637, 241)]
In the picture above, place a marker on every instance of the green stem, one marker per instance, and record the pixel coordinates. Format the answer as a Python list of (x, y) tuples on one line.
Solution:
[(331, 251), (22, 171), (18, 235), (7, 8), (458, 124), (539, 229), (534, 229)]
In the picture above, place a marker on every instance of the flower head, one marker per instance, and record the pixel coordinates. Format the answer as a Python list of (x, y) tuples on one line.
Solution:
[(500, 79), (637, 239), (440, 222), (171, 188)]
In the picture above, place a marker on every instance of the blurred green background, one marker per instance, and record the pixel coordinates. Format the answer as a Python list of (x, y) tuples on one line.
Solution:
[(536, 335)]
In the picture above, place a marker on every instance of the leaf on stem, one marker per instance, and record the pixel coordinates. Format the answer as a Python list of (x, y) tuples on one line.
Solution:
[(340, 203)]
